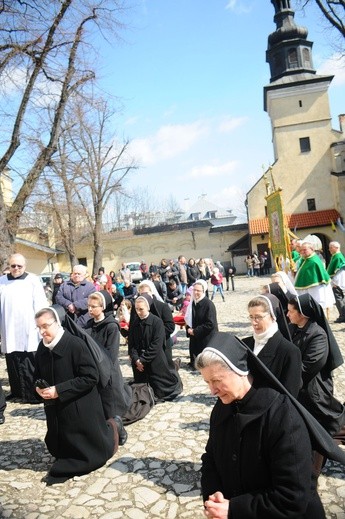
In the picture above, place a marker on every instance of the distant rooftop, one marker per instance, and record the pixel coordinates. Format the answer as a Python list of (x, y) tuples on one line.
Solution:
[(204, 209)]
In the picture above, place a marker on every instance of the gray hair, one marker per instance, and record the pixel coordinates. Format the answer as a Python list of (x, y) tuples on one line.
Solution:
[(209, 358), (81, 267), (308, 244)]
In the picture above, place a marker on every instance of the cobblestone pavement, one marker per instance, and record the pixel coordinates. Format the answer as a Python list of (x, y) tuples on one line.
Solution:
[(156, 473)]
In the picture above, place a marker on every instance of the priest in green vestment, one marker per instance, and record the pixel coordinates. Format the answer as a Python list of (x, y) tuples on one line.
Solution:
[(312, 277), (336, 270)]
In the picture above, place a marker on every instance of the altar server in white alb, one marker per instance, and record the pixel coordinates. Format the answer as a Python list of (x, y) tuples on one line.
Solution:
[(21, 297)]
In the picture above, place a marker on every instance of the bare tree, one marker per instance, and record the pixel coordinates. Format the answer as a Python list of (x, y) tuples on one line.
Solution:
[(334, 13), (91, 166), (41, 43)]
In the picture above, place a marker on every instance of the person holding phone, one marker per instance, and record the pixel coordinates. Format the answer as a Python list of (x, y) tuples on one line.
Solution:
[(78, 435)]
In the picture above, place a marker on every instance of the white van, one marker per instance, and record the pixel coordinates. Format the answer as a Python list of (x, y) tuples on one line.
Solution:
[(136, 275)]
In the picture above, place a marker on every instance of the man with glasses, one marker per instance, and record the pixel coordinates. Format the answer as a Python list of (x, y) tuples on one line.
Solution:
[(74, 293), (21, 296)]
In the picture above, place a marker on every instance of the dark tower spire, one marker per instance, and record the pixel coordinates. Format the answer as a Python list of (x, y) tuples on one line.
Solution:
[(288, 52)]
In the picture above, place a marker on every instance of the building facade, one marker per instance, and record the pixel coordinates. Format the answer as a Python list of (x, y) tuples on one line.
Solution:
[(309, 155)]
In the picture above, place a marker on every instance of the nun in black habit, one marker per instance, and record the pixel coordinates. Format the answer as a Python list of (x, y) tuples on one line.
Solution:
[(146, 341), (311, 333), (270, 343), (104, 329), (78, 435), (258, 458)]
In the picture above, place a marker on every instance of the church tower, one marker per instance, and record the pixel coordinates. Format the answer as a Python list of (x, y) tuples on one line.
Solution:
[(289, 52), (306, 148)]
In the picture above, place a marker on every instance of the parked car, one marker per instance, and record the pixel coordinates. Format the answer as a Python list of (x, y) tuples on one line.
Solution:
[(136, 275)]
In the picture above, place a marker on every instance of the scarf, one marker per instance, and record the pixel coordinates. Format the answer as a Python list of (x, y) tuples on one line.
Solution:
[(260, 339), (51, 345)]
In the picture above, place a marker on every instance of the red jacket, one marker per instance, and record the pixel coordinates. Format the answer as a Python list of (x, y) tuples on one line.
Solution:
[(217, 280)]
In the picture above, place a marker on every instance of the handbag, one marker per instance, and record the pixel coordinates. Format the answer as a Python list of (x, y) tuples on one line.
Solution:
[(143, 399)]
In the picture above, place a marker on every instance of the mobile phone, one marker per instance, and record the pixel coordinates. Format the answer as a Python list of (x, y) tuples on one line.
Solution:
[(41, 383)]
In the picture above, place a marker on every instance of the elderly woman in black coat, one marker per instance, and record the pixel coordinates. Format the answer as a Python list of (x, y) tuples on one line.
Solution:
[(311, 333), (78, 435), (146, 341), (280, 355), (258, 458)]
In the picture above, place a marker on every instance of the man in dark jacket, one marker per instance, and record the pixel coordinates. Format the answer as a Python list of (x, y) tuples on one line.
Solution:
[(130, 291), (57, 282), (73, 295), (174, 295)]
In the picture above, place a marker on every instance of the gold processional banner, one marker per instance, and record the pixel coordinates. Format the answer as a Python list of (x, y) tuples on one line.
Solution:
[(279, 239)]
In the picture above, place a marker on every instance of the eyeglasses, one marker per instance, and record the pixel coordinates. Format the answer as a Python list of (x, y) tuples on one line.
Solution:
[(257, 318), (45, 327), (18, 266)]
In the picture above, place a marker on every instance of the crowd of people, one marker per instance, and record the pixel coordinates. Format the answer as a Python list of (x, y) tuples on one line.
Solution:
[(276, 420)]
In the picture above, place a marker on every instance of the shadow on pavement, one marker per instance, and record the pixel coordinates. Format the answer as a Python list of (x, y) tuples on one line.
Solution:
[(181, 477)]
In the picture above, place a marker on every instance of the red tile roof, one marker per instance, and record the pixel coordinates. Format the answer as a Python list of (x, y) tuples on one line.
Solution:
[(298, 220)]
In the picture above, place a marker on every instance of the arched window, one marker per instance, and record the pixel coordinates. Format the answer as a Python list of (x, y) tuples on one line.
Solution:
[(292, 57), (306, 57)]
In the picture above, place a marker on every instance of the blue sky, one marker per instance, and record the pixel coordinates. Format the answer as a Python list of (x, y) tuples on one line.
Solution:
[(190, 77)]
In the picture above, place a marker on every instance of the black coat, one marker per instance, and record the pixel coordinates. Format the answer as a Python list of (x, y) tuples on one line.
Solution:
[(146, 342), (78, 435), (163, 311), (204, 324), (283, 359), (106, 334), (259, 456), (316, 394), (193, 273)]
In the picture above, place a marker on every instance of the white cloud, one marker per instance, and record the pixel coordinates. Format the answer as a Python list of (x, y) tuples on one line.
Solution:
[(171, 140), (231, 123), (239, 6), (213, 170), (335, 65), (168, 142)]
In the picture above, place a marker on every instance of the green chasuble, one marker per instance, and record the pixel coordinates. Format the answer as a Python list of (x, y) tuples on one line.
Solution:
[(295, 255), (311, 273), (337, 262)]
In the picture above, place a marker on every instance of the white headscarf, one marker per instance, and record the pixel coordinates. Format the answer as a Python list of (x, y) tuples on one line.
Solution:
[(286, 282), (188, 316), (59, 334), (152, 287), (260, 339)]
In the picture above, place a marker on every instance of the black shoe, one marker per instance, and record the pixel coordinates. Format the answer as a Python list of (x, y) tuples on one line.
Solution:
[(123, 435), (2, 420)]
